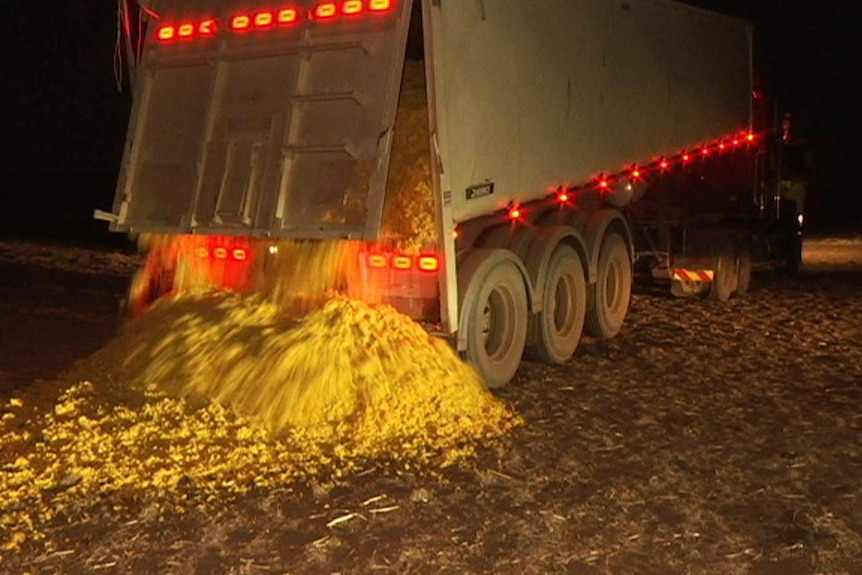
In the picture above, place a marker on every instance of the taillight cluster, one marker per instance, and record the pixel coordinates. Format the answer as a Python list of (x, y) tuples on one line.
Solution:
[(424, 263), (223, 253), (263, 20), (187, 30), (328, 10), (284, 16)]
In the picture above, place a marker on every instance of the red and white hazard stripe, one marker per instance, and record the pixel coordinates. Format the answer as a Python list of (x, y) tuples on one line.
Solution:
[(681, 274)]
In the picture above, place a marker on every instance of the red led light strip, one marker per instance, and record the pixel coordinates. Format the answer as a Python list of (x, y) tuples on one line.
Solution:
[(402, 262), (270, 19), (223, 253), (515, 213)]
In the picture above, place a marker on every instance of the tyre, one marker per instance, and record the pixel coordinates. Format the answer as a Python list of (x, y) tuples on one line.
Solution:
[(794, 256), (724, 283), (496, 322), (610, 297), (743, 270), (564, 304)]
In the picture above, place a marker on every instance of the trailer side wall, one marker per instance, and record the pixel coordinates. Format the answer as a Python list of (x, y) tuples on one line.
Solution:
[(534, 95)]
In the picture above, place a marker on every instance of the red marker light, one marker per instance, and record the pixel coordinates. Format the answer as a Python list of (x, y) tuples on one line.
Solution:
[(352, 7), (685, 157), (379, 5), (515, 213), (704, 151), (202, 253), (186, 30), (240, 22), (325, 11), (563, 197), (239, 254), (749, 137), (287, 16), (166, 33), (220, 253), (603, 184), (663, 164), (376, 261), (428, 263), (263, 19), (207, 27), (402, 262)]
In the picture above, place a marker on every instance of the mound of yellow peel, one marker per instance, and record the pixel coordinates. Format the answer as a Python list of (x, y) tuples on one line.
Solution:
[(206, 397), (347, 367)]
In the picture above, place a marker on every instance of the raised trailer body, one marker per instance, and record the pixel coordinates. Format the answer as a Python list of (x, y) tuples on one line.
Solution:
[(546, 122)]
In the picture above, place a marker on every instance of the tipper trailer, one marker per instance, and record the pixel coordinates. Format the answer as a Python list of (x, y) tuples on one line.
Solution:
[(568, 147)]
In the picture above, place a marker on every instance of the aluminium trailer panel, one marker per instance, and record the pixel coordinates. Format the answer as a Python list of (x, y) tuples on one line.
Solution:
[(279, 130), (531, 95)]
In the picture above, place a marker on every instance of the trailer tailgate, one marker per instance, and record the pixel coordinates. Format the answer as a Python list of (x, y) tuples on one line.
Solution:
[(263, 120)]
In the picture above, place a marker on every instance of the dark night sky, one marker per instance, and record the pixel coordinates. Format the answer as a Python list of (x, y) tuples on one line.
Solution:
[(64, 114)]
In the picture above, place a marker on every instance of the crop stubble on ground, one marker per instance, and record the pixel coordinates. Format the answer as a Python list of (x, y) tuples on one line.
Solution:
[(706, 438)]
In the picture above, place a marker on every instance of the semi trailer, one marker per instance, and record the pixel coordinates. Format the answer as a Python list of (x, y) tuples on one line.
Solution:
[(508, 168)]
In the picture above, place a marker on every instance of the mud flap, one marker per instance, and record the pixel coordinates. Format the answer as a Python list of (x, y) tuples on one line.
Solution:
[(686, 288), (691, 276)]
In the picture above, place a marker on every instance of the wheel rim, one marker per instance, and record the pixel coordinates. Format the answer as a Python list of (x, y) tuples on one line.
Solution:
[(559, 324), (562, 305), (613, 293), (563, 313), (494, 319), (497, 323), (611, 296)]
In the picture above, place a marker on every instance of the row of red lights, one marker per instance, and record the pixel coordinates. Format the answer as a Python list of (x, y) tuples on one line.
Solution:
[(269, 19), (564, 195), (222, 253), (425, 262), (431, 263)]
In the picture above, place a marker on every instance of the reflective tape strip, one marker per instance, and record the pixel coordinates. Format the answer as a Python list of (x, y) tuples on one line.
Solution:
[(693, 275)]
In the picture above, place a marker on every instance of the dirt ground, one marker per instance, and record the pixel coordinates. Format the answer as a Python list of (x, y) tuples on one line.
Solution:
[(706, 439)]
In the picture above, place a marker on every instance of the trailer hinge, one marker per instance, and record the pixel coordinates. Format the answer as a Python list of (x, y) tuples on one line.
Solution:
[(112, 218), (106, 216)]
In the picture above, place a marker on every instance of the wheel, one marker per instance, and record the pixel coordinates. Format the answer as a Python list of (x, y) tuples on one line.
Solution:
[(496, 322), (610, 297), (725, 280), (564, 304), (743, 270)]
